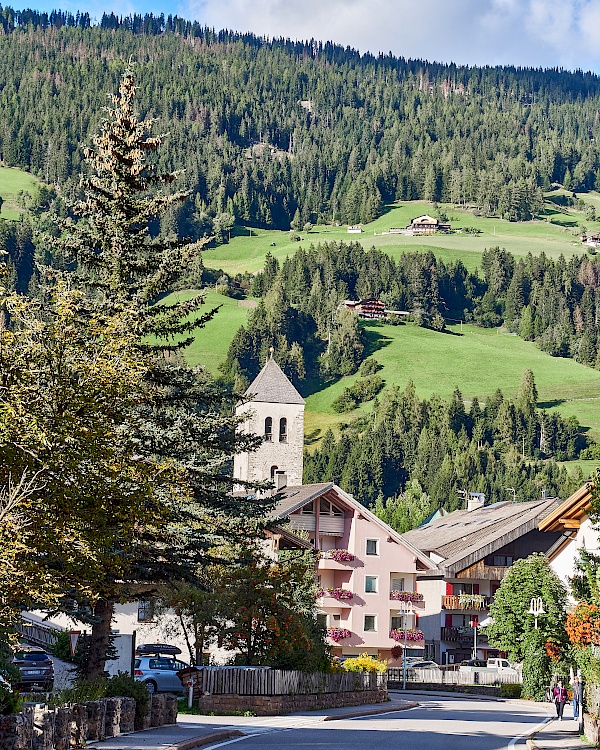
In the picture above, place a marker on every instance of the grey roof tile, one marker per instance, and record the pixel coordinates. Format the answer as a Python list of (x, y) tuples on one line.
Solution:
[(272, 386)]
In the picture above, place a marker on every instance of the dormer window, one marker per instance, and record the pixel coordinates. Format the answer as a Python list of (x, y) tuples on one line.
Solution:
[(268, 429), (283, 430)]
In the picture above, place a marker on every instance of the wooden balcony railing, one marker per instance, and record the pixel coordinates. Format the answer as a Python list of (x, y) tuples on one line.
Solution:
[(465, 602)]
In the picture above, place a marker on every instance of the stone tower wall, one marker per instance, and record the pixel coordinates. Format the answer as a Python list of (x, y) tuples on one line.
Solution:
[(287, 456)]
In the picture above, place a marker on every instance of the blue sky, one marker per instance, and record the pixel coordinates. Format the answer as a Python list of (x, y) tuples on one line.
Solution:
[(547, 33)]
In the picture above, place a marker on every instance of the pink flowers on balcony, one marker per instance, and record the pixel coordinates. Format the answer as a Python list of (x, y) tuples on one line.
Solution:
[(338, 634), (340, 555), (406, 596), (336, 593), (411, 635)]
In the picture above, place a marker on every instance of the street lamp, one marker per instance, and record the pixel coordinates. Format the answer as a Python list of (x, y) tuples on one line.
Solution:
[(536, 609), (406, 609)]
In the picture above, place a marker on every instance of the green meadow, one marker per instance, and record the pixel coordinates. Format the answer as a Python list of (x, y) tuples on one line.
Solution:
[(478, 361), (551, 233), (12, 181)]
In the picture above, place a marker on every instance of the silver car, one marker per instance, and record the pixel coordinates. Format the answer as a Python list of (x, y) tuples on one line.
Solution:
[(157, 667)]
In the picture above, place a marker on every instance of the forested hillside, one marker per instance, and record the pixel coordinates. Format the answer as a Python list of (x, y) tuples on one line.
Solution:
[(273, 132)]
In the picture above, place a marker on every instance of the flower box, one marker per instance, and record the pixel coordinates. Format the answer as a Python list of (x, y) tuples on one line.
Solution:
[(340, 555), (335, 593), (411, 635), (406, 596), (338, 634)]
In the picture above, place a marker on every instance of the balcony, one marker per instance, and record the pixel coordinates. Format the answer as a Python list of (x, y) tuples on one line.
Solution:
[(336, 559), (462, 602), (461, 635)]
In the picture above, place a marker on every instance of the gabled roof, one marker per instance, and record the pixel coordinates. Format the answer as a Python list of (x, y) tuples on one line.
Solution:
[(569, 514), (464, 537), (272, 386), (292, 499)]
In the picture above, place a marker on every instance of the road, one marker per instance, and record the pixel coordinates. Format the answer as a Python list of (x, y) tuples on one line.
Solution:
[(437, 724)]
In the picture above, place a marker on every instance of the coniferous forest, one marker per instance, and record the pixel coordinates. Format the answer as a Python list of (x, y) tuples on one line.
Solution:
[(277, 134)]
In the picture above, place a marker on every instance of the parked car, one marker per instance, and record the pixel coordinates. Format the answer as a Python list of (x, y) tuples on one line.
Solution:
[(36, 669), (423, 665), (157, 667), (491, 665)]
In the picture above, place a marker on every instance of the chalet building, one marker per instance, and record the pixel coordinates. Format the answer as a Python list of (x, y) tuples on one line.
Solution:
[(371, 308), (355, 229), (473, 550), (427, 225), (365, 569), (571, 519)]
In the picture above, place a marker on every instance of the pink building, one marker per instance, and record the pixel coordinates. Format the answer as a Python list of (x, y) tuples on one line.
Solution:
[(366, 571)]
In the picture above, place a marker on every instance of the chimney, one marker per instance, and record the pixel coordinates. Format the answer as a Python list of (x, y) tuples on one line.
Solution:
[(545, 495), (475, 501), (280, 480)]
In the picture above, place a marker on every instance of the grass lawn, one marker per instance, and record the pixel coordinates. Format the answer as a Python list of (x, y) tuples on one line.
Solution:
[(587, 467), (212, 342), (478, 362), (551, 234), (12, 181)]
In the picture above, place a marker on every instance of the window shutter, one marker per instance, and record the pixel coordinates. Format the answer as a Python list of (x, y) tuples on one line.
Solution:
[(448, 621), (475, 588), (449, 591)]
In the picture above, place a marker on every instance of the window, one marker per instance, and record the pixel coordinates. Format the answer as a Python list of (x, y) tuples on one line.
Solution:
[(371, 584), (268, 429), (308, 510), (372, 547), (273, 470), (283, 430), (397, 623), (327, 508), (337, 618), (370, 624), (397, 584), (145, 611), (502, 561)]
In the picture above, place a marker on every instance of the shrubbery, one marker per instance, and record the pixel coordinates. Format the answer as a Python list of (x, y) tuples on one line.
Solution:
[(510, 691), (362, 390)]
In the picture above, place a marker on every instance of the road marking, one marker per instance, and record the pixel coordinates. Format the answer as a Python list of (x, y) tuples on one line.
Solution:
[(529, 732), (383, 713)]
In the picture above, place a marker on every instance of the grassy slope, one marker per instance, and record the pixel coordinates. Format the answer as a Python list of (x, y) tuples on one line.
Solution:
[(441, 362), (478, 362), (211, 343), (12, 181), (246, 253)]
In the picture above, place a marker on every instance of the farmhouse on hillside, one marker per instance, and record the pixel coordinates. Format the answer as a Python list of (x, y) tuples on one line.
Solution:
[(426, 225), (366, 308)]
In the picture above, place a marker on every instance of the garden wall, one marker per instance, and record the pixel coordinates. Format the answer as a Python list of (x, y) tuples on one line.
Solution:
[(64, 727), (272, 705)]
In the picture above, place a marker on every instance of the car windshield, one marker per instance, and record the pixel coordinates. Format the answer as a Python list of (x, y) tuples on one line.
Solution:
[(31, 656)]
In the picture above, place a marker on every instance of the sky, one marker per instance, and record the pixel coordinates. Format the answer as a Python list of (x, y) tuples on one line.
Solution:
[(539, 33)]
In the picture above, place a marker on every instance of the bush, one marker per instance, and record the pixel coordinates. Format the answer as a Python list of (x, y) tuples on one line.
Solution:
[(369, 367), (365, 663), (510, 691), (359, 392), (10, 703), (61, 648), (124, 686)]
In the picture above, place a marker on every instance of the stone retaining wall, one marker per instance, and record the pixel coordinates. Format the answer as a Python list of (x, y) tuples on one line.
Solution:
[(272, 705), (65, 727), (591, 729)]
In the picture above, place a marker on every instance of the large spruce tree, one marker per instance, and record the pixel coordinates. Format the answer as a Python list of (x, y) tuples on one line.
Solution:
[(185, 422)]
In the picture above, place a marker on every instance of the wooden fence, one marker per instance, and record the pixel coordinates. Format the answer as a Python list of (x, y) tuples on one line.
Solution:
[(239, 681), (446, 677)]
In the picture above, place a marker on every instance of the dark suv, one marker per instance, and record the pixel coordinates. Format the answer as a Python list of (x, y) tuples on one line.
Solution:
[(36, 669)]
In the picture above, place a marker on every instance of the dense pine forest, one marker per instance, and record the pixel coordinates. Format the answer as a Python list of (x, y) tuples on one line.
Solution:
[(274, 133)]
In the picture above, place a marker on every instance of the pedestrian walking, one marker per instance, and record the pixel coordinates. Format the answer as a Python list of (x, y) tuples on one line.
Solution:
[(560, 698), (576, 687)]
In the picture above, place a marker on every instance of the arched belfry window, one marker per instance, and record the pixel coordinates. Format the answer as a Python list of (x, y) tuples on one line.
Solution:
[(283, 430), (269, 429)]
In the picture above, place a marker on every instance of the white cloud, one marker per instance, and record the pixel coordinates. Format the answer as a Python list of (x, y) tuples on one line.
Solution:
[(519, 32)]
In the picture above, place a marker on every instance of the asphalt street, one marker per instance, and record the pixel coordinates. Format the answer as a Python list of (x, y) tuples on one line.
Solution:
[(437, 724)]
